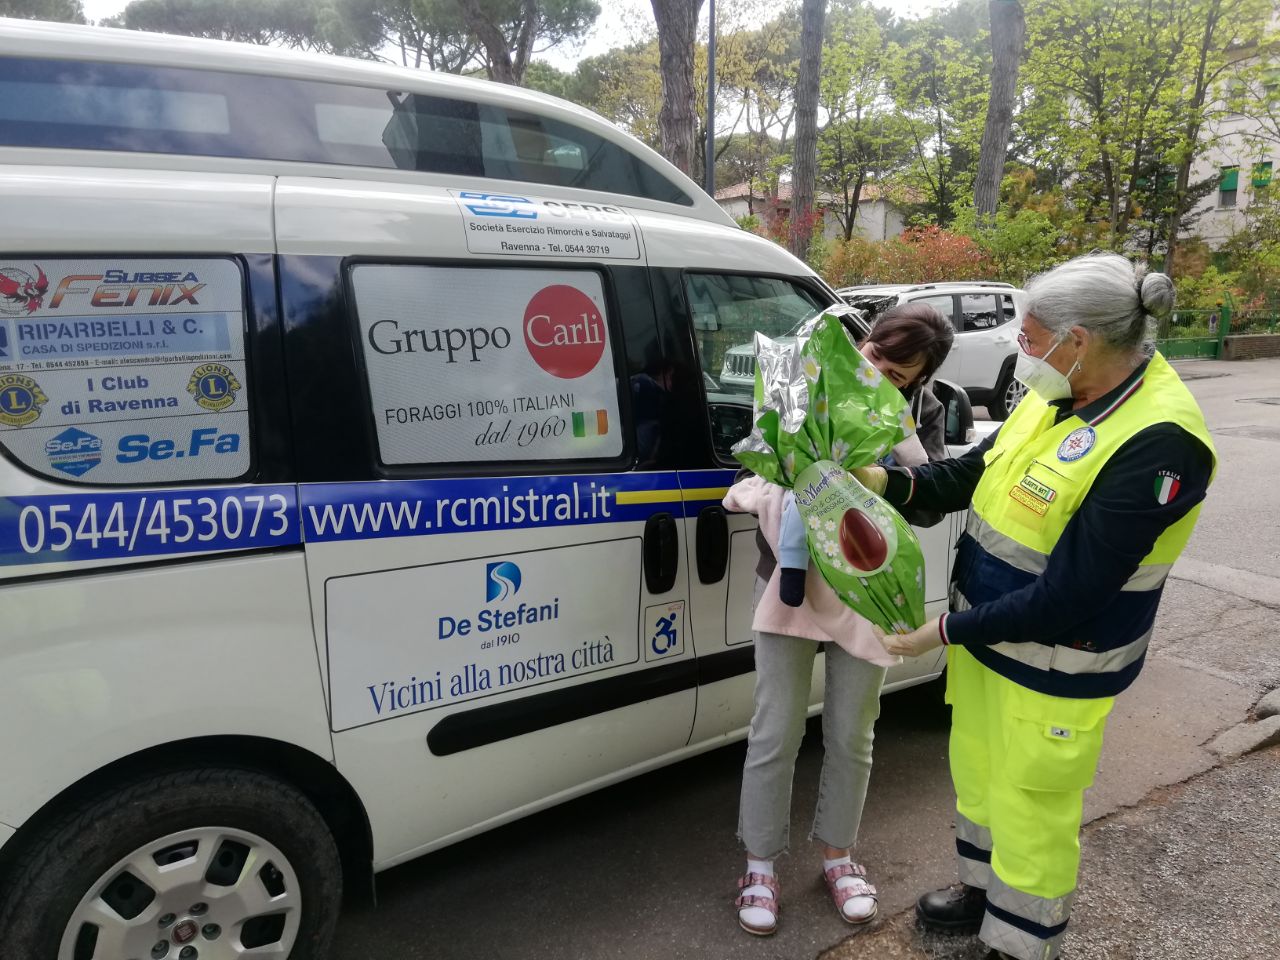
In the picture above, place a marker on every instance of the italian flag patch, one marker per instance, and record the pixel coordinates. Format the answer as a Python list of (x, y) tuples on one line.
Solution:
[(1167, 485), (590, 423)]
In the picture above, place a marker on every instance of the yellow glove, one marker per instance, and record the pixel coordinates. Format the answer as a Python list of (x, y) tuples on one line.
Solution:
[(873, 478)]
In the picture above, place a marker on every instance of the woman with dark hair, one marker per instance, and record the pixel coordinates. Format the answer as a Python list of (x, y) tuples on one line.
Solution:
[(908, 343), (795, 611)]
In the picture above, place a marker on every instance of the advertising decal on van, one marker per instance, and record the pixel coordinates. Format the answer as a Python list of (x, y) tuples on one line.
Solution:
[(125, 371), (444, 637), (540, 227), (487, 364)]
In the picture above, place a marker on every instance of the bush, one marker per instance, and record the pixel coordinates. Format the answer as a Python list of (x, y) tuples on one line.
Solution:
[(919, 255)]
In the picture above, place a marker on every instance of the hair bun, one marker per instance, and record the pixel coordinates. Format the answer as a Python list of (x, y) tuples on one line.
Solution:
[(1156, 293)]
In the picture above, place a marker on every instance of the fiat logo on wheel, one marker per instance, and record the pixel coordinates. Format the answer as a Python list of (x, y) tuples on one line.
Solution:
[(185, 932)]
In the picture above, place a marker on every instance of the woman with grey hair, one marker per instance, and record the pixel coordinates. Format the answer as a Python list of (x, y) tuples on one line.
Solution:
[(1078, 506)]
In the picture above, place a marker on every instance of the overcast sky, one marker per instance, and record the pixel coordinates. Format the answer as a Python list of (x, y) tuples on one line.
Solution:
[(616, 19)]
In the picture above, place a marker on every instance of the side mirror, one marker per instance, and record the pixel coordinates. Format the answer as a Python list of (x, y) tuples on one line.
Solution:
[(959, 419)]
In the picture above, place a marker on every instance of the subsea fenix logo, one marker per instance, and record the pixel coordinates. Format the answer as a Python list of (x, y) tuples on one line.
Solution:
[(123, 288), (502, 582)]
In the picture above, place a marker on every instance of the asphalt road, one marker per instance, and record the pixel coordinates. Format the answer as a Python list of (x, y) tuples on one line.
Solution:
[(646, 869)]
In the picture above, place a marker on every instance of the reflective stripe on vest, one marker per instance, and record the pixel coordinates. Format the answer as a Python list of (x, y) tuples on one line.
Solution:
[(1064, 659), (1147, 577)]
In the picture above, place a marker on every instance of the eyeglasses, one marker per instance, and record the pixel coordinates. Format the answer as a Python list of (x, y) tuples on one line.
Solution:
[(1024, 343)]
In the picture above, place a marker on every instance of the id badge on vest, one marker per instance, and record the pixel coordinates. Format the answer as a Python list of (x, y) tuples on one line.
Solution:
[(1040, 492)]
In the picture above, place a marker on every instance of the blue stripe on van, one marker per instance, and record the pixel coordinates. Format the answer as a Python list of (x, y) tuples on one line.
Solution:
[(82, 527), (398, 508), (100, 526)]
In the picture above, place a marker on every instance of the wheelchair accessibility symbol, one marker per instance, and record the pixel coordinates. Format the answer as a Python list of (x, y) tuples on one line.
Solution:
[(664, 631)]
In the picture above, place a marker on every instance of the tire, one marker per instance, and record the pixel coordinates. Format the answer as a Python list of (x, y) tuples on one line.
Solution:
[(1009, 392), (211, 859)]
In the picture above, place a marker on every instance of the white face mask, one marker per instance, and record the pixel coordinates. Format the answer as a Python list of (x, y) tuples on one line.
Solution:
[(1041, 378)]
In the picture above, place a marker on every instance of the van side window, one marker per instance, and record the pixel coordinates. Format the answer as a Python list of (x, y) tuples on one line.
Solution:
[(727, 311), (124, 371), (131, 107), (486, 364)]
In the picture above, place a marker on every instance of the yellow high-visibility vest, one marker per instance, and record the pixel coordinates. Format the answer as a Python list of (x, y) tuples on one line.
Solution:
[(1038, 473)]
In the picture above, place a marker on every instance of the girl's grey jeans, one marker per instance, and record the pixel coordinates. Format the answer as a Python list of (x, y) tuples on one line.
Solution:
[(784, 669)]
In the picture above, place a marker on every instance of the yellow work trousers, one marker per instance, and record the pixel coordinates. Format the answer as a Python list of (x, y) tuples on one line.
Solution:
[(1020, 762)]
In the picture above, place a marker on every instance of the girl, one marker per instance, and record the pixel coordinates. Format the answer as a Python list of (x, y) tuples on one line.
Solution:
[(907, 344)]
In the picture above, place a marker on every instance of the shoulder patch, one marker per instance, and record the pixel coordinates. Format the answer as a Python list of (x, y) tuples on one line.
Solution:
[(1167, 485)]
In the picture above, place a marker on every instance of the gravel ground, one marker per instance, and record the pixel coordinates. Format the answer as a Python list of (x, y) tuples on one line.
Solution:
[(1191, 874)]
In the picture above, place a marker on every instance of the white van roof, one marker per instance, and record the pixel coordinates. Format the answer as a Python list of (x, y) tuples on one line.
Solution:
[(35, 39)]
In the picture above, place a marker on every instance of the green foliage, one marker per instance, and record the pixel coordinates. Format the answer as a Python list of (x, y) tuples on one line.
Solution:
[(865, 140), (60, 11), (1208, 290), (437, 34), (920, 255), (749, 222), (940, 86), (1019, 244)]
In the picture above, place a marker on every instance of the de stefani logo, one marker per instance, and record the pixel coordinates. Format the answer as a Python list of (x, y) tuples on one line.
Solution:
[(564, 331)]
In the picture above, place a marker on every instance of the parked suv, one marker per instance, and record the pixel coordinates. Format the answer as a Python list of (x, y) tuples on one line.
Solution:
[(986, 342), (987, 317)]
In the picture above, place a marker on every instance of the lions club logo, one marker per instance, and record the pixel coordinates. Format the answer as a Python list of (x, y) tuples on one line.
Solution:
[(20, 400), (20, 292), (213, 386)]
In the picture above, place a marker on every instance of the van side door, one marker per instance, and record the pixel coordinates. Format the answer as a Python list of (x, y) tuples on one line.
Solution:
[(484, 561)]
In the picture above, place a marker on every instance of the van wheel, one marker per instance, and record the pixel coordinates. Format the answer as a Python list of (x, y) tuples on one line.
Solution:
[(1008, 395), (192, 865)]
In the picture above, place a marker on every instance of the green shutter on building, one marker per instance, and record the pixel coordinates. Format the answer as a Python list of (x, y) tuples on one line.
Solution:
[(1262, 173), (1230, 178)]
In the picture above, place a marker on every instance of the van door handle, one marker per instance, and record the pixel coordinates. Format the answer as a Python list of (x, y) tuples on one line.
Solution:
[(661, 553), (712, 544)]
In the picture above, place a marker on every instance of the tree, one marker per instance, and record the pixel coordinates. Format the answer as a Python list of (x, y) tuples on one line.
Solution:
[(939, 86), (1108, 74), (59, 11), (765, 92), (864, 140), (319, 25), (427, 33), (677, 22), (1216, 32), (508, 29), (1008, 37), (804, 168), (454, 36)]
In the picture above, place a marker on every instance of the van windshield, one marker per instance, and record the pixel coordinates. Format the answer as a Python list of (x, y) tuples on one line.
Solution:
[(143, 109)]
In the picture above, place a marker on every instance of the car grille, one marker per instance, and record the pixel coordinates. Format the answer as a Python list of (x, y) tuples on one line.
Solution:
[(740, 365)]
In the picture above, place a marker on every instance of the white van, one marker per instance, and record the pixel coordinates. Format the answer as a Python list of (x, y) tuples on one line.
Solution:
[(361, 479)]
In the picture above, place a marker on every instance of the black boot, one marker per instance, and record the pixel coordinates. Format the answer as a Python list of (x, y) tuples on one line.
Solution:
[(956, 909)]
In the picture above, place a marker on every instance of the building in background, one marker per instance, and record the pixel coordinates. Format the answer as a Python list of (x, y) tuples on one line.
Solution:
[(878, 217), (1244, 154)]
